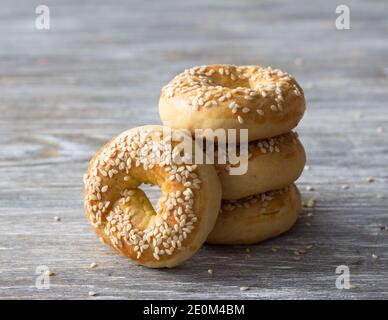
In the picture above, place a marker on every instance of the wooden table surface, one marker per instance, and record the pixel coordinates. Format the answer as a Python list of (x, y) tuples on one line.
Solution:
[(99, 70)]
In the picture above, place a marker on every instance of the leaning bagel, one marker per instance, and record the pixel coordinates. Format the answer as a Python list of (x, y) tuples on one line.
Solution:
[(123, 216), (267, 102), (256, 218), (273, 164)]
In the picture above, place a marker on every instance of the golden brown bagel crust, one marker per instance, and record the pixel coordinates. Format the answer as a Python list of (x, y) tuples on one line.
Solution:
[(273, 164), (121, 213), (256, 218), (267, 102)]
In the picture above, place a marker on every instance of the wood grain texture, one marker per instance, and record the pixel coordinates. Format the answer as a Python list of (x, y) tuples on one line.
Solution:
[(99, 71)]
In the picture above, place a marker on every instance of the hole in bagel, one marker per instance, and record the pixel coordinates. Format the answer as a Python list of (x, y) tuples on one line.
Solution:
[(225, 82), (140, 204), (153, 192)]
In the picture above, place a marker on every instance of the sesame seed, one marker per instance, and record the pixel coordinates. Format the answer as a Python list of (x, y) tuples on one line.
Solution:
[(309, 188), (353, 286), (57, 218), (260, 112), (208, 104), (274, 108), (210, 271), (345, 187), (311, 203), (50, 273), (244, 288), (370, 179), (240, 119), (93, 265), (92, 293), (374, 256)]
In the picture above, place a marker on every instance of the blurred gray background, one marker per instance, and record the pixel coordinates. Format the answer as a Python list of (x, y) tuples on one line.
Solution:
[(99, 70)]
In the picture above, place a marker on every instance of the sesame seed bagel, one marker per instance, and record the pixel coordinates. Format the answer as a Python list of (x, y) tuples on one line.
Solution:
[(273, 164), (123, 216), (256, 218), (267, 102)]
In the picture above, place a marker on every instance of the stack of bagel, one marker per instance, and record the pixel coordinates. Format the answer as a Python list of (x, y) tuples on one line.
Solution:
[(264, 202), (200, 201)]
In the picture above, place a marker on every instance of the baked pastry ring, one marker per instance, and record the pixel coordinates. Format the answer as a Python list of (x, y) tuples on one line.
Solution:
[(256, 218), (267, 102), (273, 164), (121, 213)]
